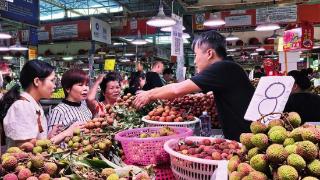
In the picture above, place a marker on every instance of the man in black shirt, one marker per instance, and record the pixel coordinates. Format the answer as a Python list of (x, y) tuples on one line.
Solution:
[(153, 78), (306, 104), (228, 81)]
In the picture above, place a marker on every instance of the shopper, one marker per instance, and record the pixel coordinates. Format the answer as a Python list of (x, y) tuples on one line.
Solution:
[(22, 114), (229, 82), (306, 104), (110, 92), (73, 110), (168, 76), (153, 78), (137, 81), (9, 82), (258, 72)]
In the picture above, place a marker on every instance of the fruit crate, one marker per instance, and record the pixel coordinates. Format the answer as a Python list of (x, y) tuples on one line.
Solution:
[(163, 172), (188, 124), (146, 151), (185, 167)]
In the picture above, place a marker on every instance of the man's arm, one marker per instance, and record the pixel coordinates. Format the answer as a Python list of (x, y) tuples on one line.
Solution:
[(166, 92)]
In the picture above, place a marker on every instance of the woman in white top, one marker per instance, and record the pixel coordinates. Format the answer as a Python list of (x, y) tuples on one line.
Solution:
[(72, 109)]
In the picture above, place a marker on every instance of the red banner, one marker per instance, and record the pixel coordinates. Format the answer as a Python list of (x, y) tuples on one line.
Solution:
[(140, 25), (307, 36), (299, 38)]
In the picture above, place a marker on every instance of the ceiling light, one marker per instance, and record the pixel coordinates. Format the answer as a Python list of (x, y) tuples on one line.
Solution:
[(161, 20), (316, 47), (18, 47), (260, 49), (231, 50), (139, 40), (185, 35), (5, 35), (67, 58), (123, 59), (231, 37), (119, 44), (169, 29), (268, 26), (4, 48), (214, 21), (254, 54), (129, 54), (7, 57)]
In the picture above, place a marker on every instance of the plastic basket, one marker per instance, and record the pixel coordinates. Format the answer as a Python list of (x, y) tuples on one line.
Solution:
[(164, 173), (187, 124), (146, 151), (190, 168)]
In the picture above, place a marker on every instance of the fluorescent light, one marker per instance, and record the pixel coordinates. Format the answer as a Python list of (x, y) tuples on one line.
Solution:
[(185, 35), (5, 36), (161, 20), (18, 47), (129, 54), (169, 29), (254, 54), (7, 57), (139, 42), (231, 50), (267, 26), (260, 49), (67, 58), (4, 48), (232, 38), (315, 47), (124, 60), (301, 59), (119, 44), (214, 21)]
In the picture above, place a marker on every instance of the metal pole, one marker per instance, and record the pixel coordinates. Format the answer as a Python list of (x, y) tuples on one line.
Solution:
[(91, 61)]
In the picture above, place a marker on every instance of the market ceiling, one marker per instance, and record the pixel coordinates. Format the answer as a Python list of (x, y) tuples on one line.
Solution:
[(50, 9)]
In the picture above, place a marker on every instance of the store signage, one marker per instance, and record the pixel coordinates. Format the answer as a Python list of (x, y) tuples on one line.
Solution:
[(43, 35), (32, 52), (176, 38), (100, 31), (299, 38), (270, 97), (238, 20), (24, 11), (109, 64), (199, 20), (133, 24), (64, 31), (283, 14)]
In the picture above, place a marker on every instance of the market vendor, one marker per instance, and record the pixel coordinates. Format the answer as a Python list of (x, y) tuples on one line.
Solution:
[(22, 115), (229, 82), (73, 111), (306, 104), (110, 93)]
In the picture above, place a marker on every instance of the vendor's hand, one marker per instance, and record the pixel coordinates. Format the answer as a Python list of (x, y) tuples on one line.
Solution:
[(100, 78), (142, 98), (76, 125), (56, 129)]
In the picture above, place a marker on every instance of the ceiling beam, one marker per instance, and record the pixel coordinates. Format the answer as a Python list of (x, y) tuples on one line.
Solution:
[(124, 5), (62, 6)]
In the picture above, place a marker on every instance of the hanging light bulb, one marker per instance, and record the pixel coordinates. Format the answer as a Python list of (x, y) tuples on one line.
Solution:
[(268, 26), (161, 20), (231, 37), (139, 40), (214, 21), (169, 29)]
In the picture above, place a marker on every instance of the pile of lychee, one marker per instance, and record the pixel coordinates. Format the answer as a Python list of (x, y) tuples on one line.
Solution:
[(281, 150), (29, 162), (169, 114), (97, 125), (88, 144), (164, 131), (211, 149)]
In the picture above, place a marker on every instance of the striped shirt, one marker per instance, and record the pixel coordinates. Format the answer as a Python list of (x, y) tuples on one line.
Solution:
[(66, 113)]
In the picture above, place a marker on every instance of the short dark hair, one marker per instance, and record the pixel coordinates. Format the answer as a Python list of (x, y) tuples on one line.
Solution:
[(111, 76), (167, 71), (212, 39), (72, 77), (155, 63), (8, 79), (301, 79)]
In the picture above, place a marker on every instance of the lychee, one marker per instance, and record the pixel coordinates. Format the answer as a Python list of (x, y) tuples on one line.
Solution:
[(10, 176), (44, 177), (9, 163), (13, 150), (37, 150), (50, 168), (24, 174), (27, 147), (107, 172), (32, 178), (37, 161)]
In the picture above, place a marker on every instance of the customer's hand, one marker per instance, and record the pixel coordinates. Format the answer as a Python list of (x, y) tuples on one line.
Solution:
[(76, 125), (56, 129), (100, 78), (142, 98)]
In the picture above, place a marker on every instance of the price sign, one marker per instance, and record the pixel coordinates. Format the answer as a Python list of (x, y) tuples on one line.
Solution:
[(109, 64)]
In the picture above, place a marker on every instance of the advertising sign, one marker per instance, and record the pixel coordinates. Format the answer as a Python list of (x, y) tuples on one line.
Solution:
[(292, 39), (283, 14), (100, 31), (24, 11), (238, 20), (64, 31)]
